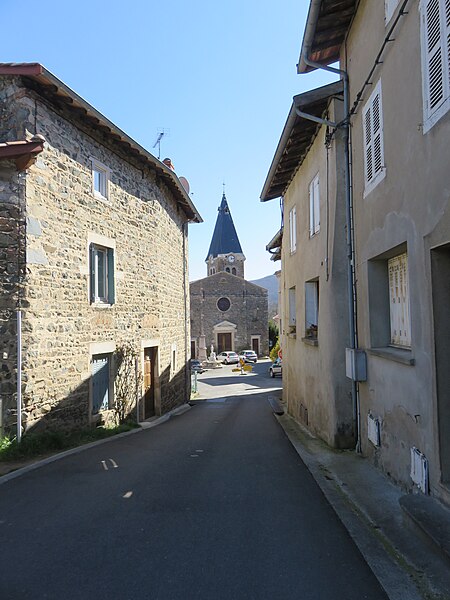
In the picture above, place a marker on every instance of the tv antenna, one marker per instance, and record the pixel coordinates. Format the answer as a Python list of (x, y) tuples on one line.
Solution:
[(161, 133)]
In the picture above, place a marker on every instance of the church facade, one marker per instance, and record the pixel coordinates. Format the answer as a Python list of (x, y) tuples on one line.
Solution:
[(227, 311)]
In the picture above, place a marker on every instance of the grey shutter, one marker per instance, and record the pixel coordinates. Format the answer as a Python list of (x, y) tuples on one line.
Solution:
[(100, 383), (111, 282), (92, 273)]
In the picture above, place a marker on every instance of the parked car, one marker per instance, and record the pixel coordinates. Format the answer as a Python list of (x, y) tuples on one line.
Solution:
[(228, 358), (196, 366), (276, 368), (248, 355)]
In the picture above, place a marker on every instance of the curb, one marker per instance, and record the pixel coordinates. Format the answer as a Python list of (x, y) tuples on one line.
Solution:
[(142, 427)]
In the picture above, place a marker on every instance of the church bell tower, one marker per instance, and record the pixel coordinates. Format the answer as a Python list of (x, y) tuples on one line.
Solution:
[(225, 252)]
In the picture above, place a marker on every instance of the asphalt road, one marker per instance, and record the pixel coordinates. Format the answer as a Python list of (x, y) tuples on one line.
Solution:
[(213, 504)]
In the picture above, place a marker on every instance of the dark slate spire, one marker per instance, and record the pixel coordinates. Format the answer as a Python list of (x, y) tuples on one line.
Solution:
[(224, 239)]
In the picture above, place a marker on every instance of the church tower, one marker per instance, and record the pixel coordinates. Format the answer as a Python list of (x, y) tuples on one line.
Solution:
[(225, 252)]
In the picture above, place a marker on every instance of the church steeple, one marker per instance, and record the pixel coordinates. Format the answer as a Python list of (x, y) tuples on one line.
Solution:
[(225, 252)]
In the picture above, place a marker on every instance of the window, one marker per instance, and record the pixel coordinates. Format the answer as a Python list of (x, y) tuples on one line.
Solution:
[(292, 309), (311, 309), (233, 271), (293, 229), (374, 169), (101, 270), (314, 206), (389, 9), (223, 304), (100, 179), (435, 39), (399, 301), (101, 382)]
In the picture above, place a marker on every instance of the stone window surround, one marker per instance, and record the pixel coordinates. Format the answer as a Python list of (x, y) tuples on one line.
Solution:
[(99, 167), (173, 360), (96, 348), (98, 240)]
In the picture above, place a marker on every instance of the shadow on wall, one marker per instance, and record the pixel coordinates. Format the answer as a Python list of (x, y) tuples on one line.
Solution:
[(91, 404)]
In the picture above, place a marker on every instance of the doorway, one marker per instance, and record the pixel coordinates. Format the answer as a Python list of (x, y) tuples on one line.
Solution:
[(255, 345), (440, 278), (149, 382), (224, 342)]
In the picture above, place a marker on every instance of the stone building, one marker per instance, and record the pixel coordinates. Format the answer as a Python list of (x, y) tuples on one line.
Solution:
[(93, 258), (227, 311)]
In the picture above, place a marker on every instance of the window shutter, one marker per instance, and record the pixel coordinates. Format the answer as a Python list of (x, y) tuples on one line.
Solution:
[(316, 204), (373, 136), (92, 273), (100, 383), (311, 209), (111, 282), (293, 229), (435, 48), (292, 307), (399, 300)]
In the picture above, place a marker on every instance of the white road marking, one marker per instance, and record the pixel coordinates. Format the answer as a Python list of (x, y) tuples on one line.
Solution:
[(127, 494), (105, 466), (114, 464)]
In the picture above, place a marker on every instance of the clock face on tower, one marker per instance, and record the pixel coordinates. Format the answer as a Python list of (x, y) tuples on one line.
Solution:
[(231, 259)]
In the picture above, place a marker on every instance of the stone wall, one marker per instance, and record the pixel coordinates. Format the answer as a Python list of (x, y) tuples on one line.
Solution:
[(248, 310), (143, 221)]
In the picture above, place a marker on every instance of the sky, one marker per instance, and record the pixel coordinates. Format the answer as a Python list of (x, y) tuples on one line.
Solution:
[(217, 77)]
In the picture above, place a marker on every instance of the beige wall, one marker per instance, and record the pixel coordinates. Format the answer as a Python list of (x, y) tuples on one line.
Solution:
[(314, 382), (410, 206)]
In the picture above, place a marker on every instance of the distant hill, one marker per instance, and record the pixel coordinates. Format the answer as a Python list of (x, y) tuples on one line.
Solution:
[(270, 283)]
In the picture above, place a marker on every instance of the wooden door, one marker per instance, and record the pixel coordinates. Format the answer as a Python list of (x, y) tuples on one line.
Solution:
[(223, 342), (255, 345), (149, 382)]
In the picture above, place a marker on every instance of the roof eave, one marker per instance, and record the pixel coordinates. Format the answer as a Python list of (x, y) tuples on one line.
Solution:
[(302, 101)]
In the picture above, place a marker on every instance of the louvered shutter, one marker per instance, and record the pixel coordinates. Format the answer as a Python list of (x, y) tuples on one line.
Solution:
[(373, 136), (293, 229), (100, 383), (292, 307), (434, 54)]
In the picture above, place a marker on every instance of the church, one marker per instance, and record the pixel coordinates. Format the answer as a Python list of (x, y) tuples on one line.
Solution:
[(227, 312)]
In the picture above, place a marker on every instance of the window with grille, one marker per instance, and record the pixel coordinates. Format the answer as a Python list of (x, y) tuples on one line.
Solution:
[(374, 169), (314, 206), (293, 229), (435, 40), (399, 301)]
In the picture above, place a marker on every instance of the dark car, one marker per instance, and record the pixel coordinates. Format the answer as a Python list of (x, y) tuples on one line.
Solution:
[(196, 366)]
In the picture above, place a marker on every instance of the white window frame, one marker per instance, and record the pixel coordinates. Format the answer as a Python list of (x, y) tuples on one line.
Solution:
[(100, 244), (399, 302), (293, 229), (389, 9), (312, 309), (373, 142), (314, 206), (104, 176), (431, 59)]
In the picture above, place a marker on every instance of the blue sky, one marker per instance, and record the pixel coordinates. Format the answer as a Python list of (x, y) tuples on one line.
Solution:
[(219, 76)]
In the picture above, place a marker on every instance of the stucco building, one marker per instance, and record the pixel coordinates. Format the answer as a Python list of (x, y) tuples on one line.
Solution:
[(394, 66), (227, 311), (307, 171), (93, 258)]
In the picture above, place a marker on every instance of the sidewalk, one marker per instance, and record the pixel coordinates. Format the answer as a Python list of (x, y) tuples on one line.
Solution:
[(379, 518)]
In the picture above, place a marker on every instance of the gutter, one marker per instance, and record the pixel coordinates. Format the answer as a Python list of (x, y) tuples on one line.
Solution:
[(305, 64)]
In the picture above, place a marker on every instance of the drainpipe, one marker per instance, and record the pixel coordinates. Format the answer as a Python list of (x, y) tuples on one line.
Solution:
[(345, 124), (186, 316)]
